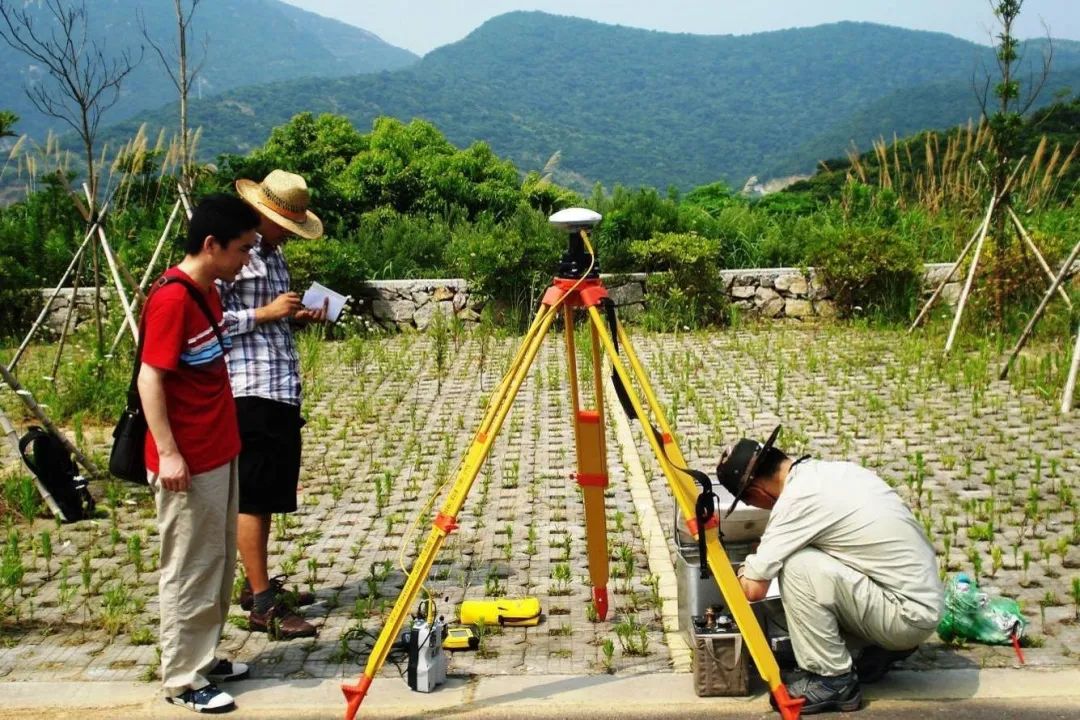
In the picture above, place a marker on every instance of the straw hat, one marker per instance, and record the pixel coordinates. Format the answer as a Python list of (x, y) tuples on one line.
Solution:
[(283, 197)]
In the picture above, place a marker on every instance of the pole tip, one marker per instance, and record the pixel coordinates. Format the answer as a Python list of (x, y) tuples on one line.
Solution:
[(600, 602), (354, 695), (790, 708)]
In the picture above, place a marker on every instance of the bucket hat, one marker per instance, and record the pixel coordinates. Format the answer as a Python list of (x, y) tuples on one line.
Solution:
[(735, 471)]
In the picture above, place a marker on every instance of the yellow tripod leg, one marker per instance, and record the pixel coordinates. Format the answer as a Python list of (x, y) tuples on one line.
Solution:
[(446, 521), (685, 493), (592, 475), (499, 396)]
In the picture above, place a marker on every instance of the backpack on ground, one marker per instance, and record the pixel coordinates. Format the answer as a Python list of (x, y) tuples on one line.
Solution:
[(56, 475)]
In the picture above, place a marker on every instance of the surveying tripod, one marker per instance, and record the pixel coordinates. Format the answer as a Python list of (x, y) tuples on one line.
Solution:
[(578, 288)]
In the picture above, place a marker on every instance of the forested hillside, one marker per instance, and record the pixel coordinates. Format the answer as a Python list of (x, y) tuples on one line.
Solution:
[(647, 108), (247, 42)]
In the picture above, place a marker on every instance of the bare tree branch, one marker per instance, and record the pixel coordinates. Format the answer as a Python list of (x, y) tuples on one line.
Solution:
[(86, 82), (1037, 84), (183, 76)]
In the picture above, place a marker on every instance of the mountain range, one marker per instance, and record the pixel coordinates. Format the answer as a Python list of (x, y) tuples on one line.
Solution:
[(237, 42), (631, 106)]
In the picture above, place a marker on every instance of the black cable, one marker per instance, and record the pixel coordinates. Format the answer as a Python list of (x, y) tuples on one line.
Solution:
[(358, 632)]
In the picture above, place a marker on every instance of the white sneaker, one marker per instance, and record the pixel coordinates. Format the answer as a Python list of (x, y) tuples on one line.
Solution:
[(208, 699), (227, 671)]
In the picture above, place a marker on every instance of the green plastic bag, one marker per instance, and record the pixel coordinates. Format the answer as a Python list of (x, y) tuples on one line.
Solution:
[(971, 614)]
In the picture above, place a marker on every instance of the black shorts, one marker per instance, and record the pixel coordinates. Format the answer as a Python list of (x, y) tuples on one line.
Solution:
[(269, 466)]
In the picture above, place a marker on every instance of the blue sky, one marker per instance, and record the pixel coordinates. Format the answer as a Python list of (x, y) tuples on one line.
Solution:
[(422, 25)]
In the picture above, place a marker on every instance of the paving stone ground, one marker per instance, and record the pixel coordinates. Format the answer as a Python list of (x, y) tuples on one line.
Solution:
[(984, 465)]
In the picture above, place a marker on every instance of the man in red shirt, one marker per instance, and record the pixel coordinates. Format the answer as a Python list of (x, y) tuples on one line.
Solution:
[(191, 450)]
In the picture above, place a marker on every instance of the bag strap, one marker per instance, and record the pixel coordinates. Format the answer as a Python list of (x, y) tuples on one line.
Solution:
[(200, 300), (511, 618), (32, 434)]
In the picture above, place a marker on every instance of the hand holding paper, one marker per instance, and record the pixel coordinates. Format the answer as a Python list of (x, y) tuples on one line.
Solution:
[(319, 296)]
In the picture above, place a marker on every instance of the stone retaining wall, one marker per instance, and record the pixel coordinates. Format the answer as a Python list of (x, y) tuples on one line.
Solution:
[(400, 304)]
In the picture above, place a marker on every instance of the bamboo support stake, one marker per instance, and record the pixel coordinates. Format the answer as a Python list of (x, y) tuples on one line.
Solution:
[(147, 274), (39, 413), (971, 276), (1038, 255), (124, 302), (955, 267), (160, 245), (52, 297), (114, 270), (1070, 383), (1039, 311), (67, 321), (9, 432), (996, 199), (184, 199)]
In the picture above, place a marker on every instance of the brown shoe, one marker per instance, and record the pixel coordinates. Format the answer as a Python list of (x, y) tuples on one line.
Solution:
[(282, 596), (280, 623)]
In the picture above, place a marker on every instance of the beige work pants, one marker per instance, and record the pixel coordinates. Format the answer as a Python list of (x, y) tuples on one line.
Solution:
[(197, 530), (826, 601)]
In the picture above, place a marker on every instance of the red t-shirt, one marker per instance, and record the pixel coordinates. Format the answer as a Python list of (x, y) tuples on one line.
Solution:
[(198, 398)]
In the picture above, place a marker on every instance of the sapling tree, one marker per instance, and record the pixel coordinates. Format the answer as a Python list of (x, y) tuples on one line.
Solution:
[(182, 73), (1005, 124)]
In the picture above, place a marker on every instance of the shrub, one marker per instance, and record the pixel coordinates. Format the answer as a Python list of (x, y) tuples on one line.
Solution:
[(402, 246), (338, 265), (868, 267), (18, 310), (690, 291), (630, 215), (510, 263)]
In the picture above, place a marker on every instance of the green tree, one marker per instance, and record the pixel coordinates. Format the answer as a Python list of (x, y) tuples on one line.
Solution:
[(7, 123)]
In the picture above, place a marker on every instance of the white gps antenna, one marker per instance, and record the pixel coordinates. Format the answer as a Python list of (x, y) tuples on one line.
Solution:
[(575, 219), (576, 262)]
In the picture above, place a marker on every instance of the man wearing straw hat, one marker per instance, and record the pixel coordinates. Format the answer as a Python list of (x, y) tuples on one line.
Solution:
[(854, 566), (264, 369)]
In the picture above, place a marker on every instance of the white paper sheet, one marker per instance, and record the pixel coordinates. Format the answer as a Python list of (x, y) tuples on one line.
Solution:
[(317, 293)]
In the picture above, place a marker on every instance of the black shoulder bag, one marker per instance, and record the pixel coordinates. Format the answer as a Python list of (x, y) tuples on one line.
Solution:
[(127, 460)]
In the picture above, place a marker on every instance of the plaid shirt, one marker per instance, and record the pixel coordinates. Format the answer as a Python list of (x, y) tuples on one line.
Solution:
[(263, 361)]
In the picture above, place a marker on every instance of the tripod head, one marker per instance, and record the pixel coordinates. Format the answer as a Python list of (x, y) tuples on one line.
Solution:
[(575, 261)]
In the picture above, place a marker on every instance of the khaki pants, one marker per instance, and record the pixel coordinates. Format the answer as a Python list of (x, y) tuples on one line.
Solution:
[(197, 530), (826, 602)]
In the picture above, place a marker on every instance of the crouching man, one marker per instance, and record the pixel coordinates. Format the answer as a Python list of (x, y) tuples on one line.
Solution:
[(853, 564)]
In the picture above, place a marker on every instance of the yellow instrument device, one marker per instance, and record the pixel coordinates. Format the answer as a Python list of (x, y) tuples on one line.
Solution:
[(578, 289), (460, 638)]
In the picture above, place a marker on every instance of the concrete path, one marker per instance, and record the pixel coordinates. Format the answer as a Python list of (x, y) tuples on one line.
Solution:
[(982, 694)]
